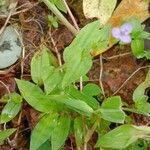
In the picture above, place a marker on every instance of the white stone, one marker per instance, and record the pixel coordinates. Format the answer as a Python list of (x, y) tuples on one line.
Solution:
[(10, 47)]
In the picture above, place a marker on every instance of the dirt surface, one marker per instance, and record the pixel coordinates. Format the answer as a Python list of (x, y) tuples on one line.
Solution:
[(118, 66)]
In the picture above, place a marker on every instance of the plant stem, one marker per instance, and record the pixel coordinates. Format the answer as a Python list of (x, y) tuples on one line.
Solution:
[(71, 15), (59, 15), (91, 131)]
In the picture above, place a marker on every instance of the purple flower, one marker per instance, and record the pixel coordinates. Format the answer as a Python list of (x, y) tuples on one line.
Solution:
[(123, 33)]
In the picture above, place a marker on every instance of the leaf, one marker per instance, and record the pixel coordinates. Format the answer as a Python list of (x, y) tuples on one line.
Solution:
[(77, 56), (5, 134), (92, 89), (43, 130), (123, 136), (92, 102), (138, 48), (140, 98), (45, 146), (147, 54), (77, 66), (145, 35), (111, 110), (52, 81), (136, 25), (60, 5), (139, 92), (78, 131), (52, 21), (12, 108), (60, 132), (35, 96), (138, 145), (39, 61), (101, 9), (74, 104)]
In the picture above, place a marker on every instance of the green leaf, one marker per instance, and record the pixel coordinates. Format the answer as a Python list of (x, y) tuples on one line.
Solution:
[(111, 110), (78, 65), (5, 134), (52, 81), (78, 131), (140, 98), (136, 24), (45, 146), (123, 136), (42, 61), (144, 35), (139, 92), (60, 132), (35, 96), (74, 104), (88, 36), (12, 108), (147, 54), (39, 61), (77, 56), (138, 48), (138, 145), (52, 21), (92, 102), (104, 127), (92, 89), (43, 130), (60, 5)]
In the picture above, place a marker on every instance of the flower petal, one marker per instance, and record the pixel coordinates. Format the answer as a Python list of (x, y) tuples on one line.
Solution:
[(126, 28), (125, 39), (116, 32)]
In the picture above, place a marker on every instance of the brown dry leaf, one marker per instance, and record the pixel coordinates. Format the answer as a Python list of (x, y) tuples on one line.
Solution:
[(128, 8), (125, 10)]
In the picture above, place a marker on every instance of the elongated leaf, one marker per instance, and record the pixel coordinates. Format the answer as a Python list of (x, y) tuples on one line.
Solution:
[(78, 131), (77, 56), (52, 81), (35, 96), (139, 92), (111, 110), (12, 108), (74, 104), (101, 9), (140, 98), (92, 102), (138, 145), (43, 130), (37, 99), (5, 134), (45, 146), (123, 136), (60, 132), (42, 61), (138, 48), (78, 65), (60, 5)]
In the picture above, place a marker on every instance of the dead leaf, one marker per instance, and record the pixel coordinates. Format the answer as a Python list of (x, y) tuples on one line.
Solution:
[(101, 9)]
